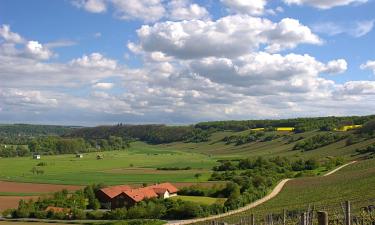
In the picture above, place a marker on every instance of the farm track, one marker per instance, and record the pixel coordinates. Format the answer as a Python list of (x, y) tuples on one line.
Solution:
[(271, 195)]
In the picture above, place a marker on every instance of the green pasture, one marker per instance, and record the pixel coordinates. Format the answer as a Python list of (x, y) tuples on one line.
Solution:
[(201, 199), (66, 169)]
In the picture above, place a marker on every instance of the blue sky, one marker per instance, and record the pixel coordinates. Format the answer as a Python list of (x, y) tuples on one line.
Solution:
[(95, 62)]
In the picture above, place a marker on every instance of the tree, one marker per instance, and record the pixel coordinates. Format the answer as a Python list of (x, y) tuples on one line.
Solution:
[(197, 176), (93, 203)]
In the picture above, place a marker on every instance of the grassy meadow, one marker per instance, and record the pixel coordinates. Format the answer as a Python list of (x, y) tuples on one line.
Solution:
[(136, 165), (201, 199)]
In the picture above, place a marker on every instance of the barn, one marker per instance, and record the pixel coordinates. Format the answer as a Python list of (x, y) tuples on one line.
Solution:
[(124, 196)]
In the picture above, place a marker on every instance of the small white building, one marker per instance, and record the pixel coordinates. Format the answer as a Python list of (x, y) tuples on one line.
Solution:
[(79, 155), (36, 156)]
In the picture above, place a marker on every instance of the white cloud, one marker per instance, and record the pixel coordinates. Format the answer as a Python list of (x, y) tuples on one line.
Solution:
[(185, 10), (253, 7), (369, 65), (103, 86), (228, 36), (355, 29), (336, 66), (36, 50), (25, 98), (15, 45), (93, 6), (95, 60), (263, 73), (147, 10), (324, 4), (288, 33), (9, 36), (357, 88)]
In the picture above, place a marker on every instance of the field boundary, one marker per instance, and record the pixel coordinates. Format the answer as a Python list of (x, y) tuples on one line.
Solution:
[(258, 202)]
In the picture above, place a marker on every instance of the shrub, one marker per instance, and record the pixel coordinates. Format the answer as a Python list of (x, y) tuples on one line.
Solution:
[(40, 214), (95, 215)]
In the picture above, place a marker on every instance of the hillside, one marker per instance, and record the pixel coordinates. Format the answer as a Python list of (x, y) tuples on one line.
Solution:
[(354, 183)]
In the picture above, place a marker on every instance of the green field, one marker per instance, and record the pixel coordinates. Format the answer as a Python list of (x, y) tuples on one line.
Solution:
[(136, 165), (200, 199)]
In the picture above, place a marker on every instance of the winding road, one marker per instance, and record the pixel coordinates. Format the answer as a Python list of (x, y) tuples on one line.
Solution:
[(271, 195)]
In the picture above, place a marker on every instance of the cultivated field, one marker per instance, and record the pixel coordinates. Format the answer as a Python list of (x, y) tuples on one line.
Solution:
[(7, 202)]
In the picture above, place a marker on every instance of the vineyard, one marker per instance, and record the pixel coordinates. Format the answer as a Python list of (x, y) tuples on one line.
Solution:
[(358, 212)]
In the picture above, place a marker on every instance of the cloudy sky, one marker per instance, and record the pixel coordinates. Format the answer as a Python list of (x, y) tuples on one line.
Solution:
[(92, 62)]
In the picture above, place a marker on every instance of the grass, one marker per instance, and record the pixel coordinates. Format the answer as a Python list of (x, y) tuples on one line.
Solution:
[(201, 199), (278, 147), (21, 194), (66, 169), (354, 183)]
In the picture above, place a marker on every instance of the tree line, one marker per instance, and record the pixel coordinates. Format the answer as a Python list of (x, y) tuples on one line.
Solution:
[(300, 124), (51, 145)]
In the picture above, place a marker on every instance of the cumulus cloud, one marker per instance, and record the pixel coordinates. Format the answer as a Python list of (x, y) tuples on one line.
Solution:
[(227, 36), (186, 10), (253, 7), (324, 4), (357, 88), (355, 29), (93, 6), (104, 86), (336, 66), (36, 50), (147, 10), (95, 60), (369, 65), (263, 73), (9, 36), (28, 49)]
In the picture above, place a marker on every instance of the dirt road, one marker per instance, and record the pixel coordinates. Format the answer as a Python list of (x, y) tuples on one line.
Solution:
[(271, 195)]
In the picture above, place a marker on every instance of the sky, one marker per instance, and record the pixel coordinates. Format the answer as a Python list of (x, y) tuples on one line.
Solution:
[(92, 62)]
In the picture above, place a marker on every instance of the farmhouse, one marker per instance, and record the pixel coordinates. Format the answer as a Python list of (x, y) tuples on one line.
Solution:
[(36, 156), (125, 196)]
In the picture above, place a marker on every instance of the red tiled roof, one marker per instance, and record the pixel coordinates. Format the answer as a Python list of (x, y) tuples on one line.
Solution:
[(139, 194), (170, 187), (160, 191), (115, 190)]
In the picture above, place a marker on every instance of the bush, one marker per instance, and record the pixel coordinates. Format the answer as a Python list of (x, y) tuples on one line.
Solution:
[(8, 213), (40, 214), (79, 214), (95, 215)]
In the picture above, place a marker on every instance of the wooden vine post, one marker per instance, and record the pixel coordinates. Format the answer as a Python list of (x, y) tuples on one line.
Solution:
[(322, 218)]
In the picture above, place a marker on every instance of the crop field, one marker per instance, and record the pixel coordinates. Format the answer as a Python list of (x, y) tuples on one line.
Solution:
[(354, 183), (7, 202)]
